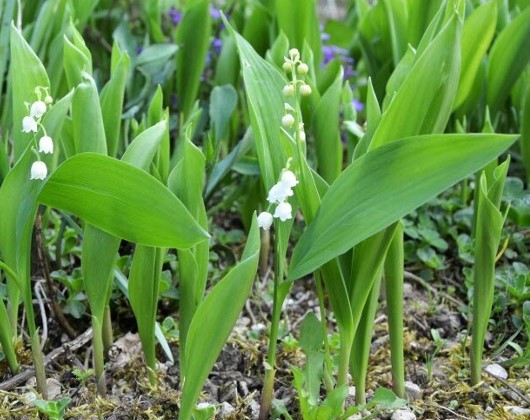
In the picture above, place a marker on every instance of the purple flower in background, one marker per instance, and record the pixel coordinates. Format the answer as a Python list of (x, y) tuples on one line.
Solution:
[(215, 13), (357, 104), (175, 16), (217, 43), (139, 49)]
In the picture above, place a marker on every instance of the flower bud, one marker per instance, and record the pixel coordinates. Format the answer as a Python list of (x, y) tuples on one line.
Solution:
[(294, 54), (305, 90), (287, 120), (38, 170), (37, 110), (302, 69), (29, 125), (265, 220), (302, 135), (288, 90), (283, 211), (45, 144), (48, 100), (287, 67), (287, 107)]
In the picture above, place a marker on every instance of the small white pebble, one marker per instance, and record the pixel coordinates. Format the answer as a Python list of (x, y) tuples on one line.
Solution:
[(518, 411), (412, 390), (497, 371), (403, 415)]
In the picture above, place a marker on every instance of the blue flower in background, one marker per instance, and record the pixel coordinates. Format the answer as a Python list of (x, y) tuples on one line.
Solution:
[(175, 16)]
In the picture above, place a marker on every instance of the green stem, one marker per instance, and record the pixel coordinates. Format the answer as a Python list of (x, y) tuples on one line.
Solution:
[(328, 363), (108, 337), (394, 272), (270, 372), (98, 353), (38, 363), (344, 358)]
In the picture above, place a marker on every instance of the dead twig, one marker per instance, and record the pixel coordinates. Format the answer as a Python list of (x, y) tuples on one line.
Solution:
[(513, 388), (424, 284), (71, 346)]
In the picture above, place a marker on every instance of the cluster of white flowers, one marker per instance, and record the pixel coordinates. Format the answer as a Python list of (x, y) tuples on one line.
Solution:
[(31, 123), (278, 195), (295, 66)]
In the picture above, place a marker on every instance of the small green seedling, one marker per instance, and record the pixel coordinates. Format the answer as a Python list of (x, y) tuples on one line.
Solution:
[(55, 410)]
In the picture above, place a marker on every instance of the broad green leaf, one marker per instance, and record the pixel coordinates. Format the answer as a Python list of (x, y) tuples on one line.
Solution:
[(223, 101), (263, 85), (143, 148), (420, 13), (193, 46), (393, 276), (477, 34), (298, 19), (121, 200), (508, 57), (27, 73), (111, 98), (7, 9), (144, 280), (396, 13), (311, 338), (326, 130), (98, 257), (487, 238), (214, 320), (257, 27), (384, 185), (83, 10), (77, 57), (153, 12), (186, 181), (87, 120), (525, 134), (424, 101)]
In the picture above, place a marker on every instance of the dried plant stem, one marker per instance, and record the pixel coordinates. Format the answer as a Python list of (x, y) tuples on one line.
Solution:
[(44, 266)]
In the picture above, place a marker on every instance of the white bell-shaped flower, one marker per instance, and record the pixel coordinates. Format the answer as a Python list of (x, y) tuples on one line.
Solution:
[(279, 193), (46, 144), (287, 120), (265, 220), (29, 125), (283, 211), (288, 178), (38, 170), (37, 110)]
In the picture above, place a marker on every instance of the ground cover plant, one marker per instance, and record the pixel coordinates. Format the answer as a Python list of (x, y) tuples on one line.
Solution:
[(264, 209)]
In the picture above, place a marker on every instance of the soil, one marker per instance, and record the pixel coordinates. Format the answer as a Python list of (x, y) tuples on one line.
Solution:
[(235, 382)]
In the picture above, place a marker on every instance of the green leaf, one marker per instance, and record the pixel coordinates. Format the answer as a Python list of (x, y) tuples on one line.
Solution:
[(76, 57), (489, 222), (509, 56), (121, 200), (298, 19), (477, 34), (111, 98), (223, 101), (396, 13), (326, 130), (386, 184), (264, 84), (87, 120), (143, 148), (144, 280), (424, 101), (214, 320), (193, 46), (27, 72)]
